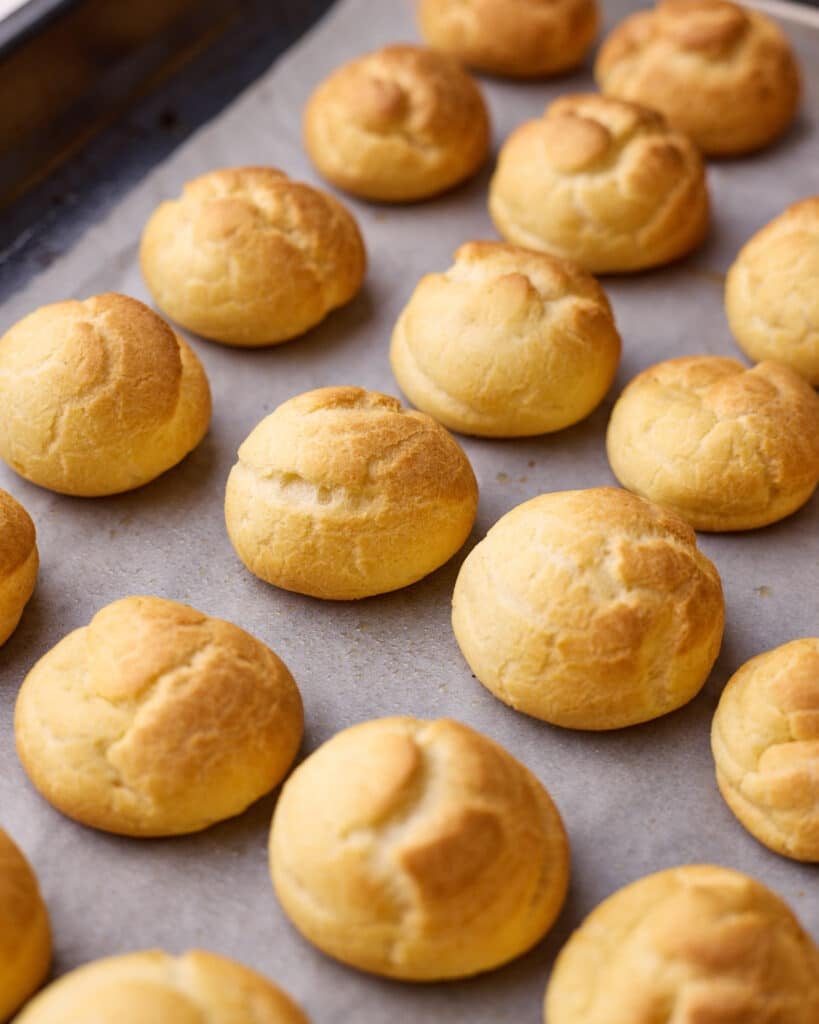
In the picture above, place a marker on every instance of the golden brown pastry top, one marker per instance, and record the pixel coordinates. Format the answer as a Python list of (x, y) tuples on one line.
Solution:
[(770, 293), (519, 38), (691, 944), (726, 447), (418, 850), (248, 256), (21, 906), (17, 534), (398, 124), (151, 986), (602, 181), (765, 739), (118, 726), (722, 73)]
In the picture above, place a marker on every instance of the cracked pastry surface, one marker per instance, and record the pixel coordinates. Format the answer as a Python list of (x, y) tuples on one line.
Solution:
[(19, 563), (418, 850), (399, 124), (506, 343), (771, 296), (246, 256), (589, 609), (156, 719), (765, 741), (25, 934), (341, 493), (691, 944), (603, 182), (517, 38), (725, 447), (723, 74), (99, 396), (152, 986)]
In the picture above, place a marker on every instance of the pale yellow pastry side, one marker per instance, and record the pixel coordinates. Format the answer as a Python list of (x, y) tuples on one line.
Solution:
[(589, 609), (603, 182), (396, 125), (152, 986), (691, 944), (247, 256), (418, 850), (19, 562), (99, 396), (341, 493), (771, 293), (156, 719), (25, 934), (765, 741), (724, 74), (725, 447), (508, 342), (515, 38)]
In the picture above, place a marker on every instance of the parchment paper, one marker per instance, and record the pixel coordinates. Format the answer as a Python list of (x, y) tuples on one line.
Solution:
[(634, 801)]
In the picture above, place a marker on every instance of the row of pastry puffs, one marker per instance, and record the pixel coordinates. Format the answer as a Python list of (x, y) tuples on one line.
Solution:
[(414, 849)]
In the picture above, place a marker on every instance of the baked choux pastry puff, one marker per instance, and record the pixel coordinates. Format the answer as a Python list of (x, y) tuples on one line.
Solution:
[(589, 610), (25, 935), (341, 493), (152, 987), (418, 850), (157, 720), (19, 562), (247, 256), (603, 182), (397, 125), (722, 73), (507, 342), (99, 396)]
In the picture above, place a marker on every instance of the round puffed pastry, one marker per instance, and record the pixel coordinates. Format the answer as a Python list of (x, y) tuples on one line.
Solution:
[(765, 740), (589, 609), (25, 935), (341, 493), (418, 850), (151, 987), (603, 182), (99, 396), (721, 73), (157, 720), (771, 293), (248, 257), (19, 562), (516, 38), (506, 343), (725, 447), (400, 124), (691, 945)]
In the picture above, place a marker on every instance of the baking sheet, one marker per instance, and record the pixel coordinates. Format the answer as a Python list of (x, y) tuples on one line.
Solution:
[(634, 801)]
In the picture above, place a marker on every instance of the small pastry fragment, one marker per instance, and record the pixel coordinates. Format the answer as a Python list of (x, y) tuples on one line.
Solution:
[(516, 38), (341, 493), (601, 181), (765, 740), (157, 720), (506, 343), (248, 257), (725, 447), (772, 291), (99, 396), (19, 563), (418, 850), (693, 943), (25, 934), (589, 609), (723, 74), (399, 124), (152, 986)]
